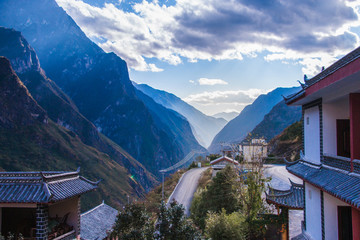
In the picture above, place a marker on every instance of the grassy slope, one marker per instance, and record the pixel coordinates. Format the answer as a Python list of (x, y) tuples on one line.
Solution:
[(288, 143), (51, 147)]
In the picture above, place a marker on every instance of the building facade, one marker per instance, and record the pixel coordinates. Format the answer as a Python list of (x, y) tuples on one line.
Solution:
[(254, 150), (330, 163)]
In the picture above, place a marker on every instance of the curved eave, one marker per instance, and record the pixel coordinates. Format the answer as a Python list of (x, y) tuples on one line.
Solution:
[(308, 177), (270, 201)]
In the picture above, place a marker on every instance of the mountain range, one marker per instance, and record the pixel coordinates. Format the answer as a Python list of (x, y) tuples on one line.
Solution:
[(280, 117), (228, 116), (97, 83), (238, 128), (204, 127), (31, 141)]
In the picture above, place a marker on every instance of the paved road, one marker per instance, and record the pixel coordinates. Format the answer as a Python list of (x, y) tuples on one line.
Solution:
[(186, 188), (280, 180)]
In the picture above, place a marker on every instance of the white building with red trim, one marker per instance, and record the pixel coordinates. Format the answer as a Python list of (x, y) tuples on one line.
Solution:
[(222, 162), (330, 165)]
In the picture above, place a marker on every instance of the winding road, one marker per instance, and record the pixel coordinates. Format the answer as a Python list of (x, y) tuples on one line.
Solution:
[(188, 183), (186, 188)]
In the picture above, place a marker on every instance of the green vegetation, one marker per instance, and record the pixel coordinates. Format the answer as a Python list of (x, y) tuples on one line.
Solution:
[(213, 156), (153, 198), (287, 144), (135, 222), (225, 226), (221, 193), (230, 205)]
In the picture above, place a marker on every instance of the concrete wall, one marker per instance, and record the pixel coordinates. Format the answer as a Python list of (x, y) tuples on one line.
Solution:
[(252, 152), (331, 216), (64, 207), (313, 211), (332, 111), (312, 135)]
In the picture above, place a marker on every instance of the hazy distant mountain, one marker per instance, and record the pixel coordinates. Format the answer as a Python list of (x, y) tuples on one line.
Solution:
[(204, 127), (175, 124), (280, 117), (31, 141), (228, 116), (237, 129), (97, 82)]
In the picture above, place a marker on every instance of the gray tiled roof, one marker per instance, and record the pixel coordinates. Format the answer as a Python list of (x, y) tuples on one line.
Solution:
[(339, 184), (42, 187), (96, 222), (292, 198), (348, 58)]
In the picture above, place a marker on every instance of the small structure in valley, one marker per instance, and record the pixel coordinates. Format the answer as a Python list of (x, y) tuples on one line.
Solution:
[(98, 222), (221, 162), (42, 205)]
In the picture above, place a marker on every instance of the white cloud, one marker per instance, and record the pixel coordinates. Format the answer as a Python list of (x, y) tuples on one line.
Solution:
[(239, 97), (212, 29), (211, 81)]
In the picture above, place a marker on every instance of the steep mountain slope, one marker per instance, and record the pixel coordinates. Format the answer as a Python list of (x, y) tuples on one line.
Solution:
[(204, 127), (288, 143), (30, 141), (228, 116), (97, 82), (176, 124), (237, 129), (59, 107), (280, 117)]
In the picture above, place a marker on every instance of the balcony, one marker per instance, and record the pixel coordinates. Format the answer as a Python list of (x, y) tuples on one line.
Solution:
[(342, 163)]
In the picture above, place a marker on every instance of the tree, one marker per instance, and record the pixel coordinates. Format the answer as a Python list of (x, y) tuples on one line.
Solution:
[(220, 194), (133, 223), (251, 185), (225, 226), (172, 224)]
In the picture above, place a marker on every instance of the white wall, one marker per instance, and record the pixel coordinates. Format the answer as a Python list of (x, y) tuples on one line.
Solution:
[(331, 216), (312, 134), (313, 211), (338, 109)]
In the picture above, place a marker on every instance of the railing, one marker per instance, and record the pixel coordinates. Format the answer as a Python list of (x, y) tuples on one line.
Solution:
[(339, 162), (67, 236), (356, 165)]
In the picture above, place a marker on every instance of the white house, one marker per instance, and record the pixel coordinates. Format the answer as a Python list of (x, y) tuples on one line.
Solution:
[(330, 166), (254, 150)]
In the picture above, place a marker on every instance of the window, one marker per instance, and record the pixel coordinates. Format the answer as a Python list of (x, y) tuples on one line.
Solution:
[(343, 137), (344, 223)]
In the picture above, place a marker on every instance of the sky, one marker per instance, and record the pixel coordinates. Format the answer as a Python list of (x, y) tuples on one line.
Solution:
[(219, 56)]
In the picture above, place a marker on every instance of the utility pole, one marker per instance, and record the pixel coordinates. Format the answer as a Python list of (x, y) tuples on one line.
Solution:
[(162, 186)]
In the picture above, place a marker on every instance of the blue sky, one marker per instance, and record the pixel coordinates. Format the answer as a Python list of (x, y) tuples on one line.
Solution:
[(220, 55)]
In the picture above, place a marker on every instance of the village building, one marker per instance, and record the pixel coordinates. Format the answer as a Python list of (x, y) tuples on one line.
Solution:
[(330, 163), (42, 205), (97, 223), (253, 150), (285, 200), (222, 162)]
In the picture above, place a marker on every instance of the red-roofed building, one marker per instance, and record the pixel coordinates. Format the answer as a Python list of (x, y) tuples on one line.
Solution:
[(330, 163), (222, 162)]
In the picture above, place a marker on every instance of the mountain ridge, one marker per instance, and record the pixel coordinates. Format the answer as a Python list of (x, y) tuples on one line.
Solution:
[(33, 142), (97, 82), (204, 127), (237, 129)]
